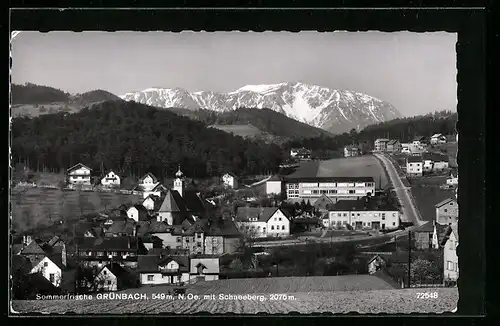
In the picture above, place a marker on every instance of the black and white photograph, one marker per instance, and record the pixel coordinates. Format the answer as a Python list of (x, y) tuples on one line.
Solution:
[(233, 172)]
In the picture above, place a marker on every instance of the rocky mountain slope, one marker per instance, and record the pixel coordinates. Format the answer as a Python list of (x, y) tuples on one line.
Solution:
[(333, 110)]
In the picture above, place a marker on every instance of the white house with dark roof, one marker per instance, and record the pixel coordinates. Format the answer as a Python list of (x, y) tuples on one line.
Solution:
[(112, 277), (159, 269), (111, 179), (414, 166), (230, 180), (438, 139), (147, 182), (152, 202), (49, 269), (261, 222), (79, 174), (138, 213)]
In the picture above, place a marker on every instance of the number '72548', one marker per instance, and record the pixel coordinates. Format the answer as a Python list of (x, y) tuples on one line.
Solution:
[(427, 295)]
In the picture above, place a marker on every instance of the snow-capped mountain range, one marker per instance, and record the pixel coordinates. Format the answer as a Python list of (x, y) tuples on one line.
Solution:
[(334, 110)]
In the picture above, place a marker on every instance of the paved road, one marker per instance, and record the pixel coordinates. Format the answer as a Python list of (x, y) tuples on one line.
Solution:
[(410, 211), (355, 239)]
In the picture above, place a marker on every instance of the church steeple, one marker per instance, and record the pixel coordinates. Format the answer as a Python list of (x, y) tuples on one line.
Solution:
[(179, 181)]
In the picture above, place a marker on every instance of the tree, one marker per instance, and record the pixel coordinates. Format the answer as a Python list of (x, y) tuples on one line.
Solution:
[(236, 265), (422, 270)]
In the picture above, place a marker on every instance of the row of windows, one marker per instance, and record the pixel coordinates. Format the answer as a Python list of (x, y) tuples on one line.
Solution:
[(248, 227), (296, 185), (104, 253), (362, 214), (354, 223), (451, 266)]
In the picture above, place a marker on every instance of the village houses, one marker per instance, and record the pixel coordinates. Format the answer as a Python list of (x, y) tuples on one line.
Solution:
[(351, 150), (230, 180), (259, 222), (447, 211), (47, 258), (393, 146), (113, 277), (79, 174), (381, 144), (434, 162), (170, 269), (438, 139)]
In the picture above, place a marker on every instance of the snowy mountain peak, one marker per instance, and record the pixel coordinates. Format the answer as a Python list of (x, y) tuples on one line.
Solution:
[(334, 110)]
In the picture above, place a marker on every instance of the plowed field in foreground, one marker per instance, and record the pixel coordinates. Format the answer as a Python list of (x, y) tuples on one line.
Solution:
[(375, 301)]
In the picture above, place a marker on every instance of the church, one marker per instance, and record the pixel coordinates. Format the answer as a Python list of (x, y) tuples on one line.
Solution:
[(182, 204)]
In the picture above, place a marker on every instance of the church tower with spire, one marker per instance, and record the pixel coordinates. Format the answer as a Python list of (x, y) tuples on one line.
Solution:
[(179, 182)]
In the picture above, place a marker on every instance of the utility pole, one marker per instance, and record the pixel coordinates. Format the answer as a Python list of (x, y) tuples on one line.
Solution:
[(409, 259)]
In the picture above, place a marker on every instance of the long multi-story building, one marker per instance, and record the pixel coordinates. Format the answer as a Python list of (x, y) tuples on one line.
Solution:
[(334, 187), (364, 213)]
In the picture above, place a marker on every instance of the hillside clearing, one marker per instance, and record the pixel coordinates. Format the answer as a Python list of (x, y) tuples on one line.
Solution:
[(246, 130), (378, 301), (41, 204)]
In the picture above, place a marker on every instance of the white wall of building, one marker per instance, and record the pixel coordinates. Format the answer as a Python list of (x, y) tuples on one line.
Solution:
[(111, 179), (49, 270), (133, 213), (106, 280), (80, 176), (273, 187), (386, 219), (450, 258), (158, 278), (278, 225)]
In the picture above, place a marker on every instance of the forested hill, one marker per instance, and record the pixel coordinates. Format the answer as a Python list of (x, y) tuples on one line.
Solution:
[(33, 100), (404, 129), (135, 138), (36, 94), (266, 120)]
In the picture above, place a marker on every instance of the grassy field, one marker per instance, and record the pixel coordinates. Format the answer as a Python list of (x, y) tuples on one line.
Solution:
[(360, 166), (240, 130), (364, 302), (427, 193), (36, 110), (38, 204)]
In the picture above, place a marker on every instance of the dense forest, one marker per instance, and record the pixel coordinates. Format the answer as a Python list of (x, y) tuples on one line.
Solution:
[(266, 120), (134, 139), (404, 129), (36, 94)]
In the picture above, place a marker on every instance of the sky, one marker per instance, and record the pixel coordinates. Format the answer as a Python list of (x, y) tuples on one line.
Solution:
[(415, 72)]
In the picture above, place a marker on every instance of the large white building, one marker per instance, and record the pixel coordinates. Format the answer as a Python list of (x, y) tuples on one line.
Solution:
[(259, 222), (334, 187), (362, 214)]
